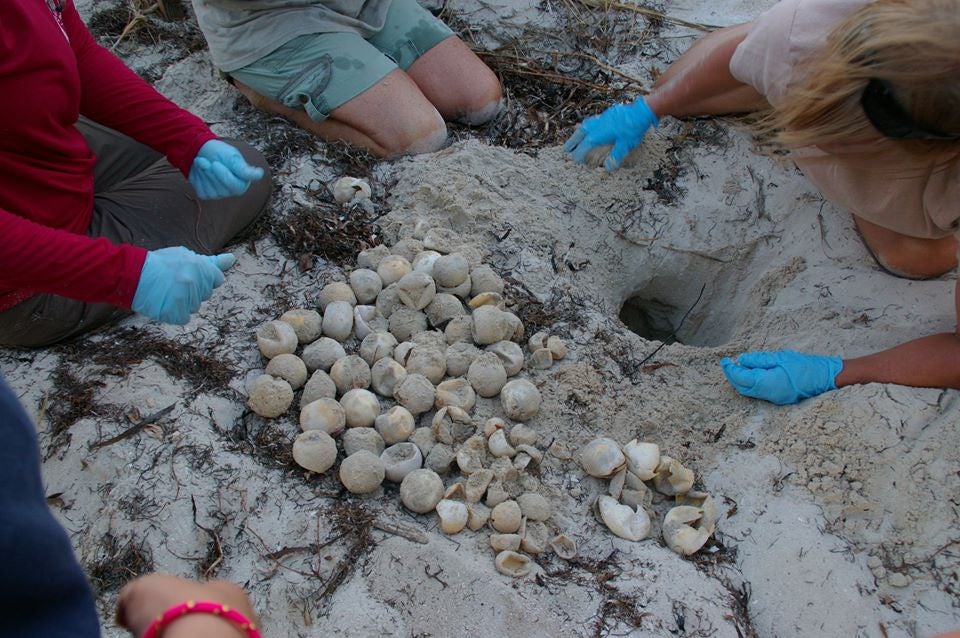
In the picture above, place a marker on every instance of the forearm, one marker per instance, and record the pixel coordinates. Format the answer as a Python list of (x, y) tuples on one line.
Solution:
[(929, 362), (114, 96), (700, 83), (40, 259)]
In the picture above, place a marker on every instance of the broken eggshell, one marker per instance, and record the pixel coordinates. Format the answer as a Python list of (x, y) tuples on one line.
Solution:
[(511, 355), (385, 375), (564, 546), (642, 458), (512, 564), (624, 521), (682, 531), (672, 477), (453, 515), (456, 392), (400, 459), (602, 458), (395, 425), (347, 189)]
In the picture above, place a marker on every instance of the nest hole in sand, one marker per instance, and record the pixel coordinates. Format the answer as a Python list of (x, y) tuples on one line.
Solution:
[(684, 301)]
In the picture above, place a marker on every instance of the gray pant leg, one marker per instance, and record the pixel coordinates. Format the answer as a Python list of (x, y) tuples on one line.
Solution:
[(139, 199)]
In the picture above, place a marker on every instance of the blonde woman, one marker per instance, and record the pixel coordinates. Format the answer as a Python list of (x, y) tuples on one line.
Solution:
[(866, 96)]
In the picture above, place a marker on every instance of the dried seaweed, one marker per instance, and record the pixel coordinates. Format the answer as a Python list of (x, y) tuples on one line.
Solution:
[(118, 562), (74, 401), (148, 23), (327, 231), (127, 347)]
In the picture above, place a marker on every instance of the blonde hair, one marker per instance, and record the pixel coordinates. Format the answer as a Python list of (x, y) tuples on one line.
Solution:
[(912, 44)]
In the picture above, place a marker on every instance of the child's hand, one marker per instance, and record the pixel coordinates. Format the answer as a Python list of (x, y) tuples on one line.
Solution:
[(147, 597)]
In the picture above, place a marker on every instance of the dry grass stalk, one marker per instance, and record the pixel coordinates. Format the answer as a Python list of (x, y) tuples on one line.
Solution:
[(650, 13)]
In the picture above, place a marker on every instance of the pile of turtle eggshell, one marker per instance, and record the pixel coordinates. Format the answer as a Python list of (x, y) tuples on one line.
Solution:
[(414, 336), (630, 468)]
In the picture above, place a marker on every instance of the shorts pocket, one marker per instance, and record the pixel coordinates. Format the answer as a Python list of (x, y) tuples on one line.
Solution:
[(305, 90)]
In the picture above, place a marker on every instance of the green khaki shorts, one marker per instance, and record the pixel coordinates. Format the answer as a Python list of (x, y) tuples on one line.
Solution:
[(321, 71)]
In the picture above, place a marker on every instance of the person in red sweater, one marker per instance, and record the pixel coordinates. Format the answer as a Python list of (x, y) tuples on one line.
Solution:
[(112, 198)]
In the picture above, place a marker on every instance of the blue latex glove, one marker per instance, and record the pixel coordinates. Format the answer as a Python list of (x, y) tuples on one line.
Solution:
[(782, 377), (623, 126), (219, 170), (174, 281)]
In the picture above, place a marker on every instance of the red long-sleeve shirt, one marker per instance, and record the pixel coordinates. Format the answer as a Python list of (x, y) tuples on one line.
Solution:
[(49, 76)]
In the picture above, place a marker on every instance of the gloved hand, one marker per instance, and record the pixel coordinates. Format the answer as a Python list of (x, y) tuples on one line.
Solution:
[(782, 377), (219, 170), (623, 126), (174, 281)]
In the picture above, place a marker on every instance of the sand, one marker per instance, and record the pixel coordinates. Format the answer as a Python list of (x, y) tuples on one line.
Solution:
[(839, 515)]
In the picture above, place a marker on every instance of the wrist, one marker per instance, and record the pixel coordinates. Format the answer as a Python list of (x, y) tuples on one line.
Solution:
[(205, 625), (644, 113), (201, 617), (656, 104)]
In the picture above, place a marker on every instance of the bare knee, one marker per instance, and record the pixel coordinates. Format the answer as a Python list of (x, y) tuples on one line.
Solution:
[(920, 258), (483, 103), (423, 131), (909, 257)]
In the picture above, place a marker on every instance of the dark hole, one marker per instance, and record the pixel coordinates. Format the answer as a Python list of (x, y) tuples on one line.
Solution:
[(651, 319)]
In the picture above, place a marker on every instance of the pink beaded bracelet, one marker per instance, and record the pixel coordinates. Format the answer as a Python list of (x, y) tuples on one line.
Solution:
[(242, 623)]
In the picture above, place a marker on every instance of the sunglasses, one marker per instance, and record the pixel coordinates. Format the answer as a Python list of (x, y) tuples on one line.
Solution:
[(888, 115)]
